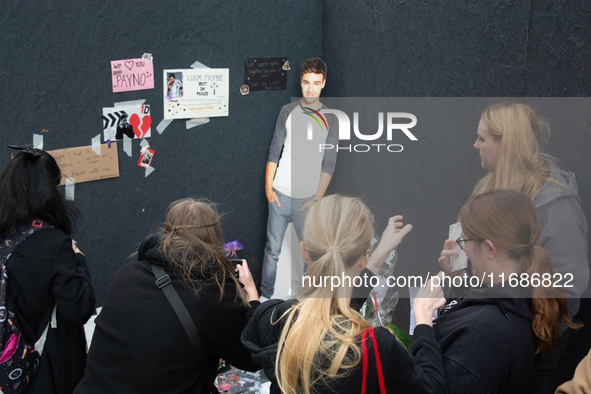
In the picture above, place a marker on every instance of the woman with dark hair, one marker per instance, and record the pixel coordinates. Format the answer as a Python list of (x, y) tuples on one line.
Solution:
[(492, 339), (46, 269), (139, 344)]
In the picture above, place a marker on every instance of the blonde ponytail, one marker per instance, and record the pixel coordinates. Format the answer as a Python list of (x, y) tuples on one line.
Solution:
[(318, 340)]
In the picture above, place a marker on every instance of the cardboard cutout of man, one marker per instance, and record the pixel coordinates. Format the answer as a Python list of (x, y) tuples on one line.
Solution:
[(294, 183)]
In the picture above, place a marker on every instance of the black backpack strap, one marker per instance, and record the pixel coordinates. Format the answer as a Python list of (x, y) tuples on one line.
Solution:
[(164, 282), (17, 237)]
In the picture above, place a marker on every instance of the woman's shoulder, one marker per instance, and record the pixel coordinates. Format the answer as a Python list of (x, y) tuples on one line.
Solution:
[(43, 244)]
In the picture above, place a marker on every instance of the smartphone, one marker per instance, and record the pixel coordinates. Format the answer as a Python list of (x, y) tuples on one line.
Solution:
[(236, 261)]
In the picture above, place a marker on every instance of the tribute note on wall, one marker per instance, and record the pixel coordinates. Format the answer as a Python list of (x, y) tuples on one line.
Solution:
[(84, 165), (266, 73), (196, 93), (132, 74)]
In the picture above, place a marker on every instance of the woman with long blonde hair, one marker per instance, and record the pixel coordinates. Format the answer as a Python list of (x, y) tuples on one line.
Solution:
[(139, 344), (315, 344), (510, 141)]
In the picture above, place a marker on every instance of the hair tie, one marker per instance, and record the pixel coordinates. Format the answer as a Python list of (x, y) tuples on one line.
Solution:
[(174, 228), (28, 149), (336, 249), (531, 245)]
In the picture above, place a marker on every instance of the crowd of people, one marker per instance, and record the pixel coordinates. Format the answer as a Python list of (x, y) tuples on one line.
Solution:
[(523, 217)]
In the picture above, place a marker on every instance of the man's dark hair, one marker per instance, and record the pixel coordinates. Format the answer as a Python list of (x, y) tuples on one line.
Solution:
[(28, 191), (313, 65), (171, 75)]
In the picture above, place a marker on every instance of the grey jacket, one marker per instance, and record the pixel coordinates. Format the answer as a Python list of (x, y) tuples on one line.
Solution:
[(564, 234)]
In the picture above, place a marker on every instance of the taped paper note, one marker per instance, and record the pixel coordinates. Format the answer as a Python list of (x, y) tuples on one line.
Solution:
[(96, 144), (132, 74), (131, 103), (38, 141), (70, 189), (163, 125), (127, 145), (84, 165), (196, 122)]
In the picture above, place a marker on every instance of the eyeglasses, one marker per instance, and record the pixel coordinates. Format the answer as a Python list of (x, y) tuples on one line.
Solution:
[(462, 242)]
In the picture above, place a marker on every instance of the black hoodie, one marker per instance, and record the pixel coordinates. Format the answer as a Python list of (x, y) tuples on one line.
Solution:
[(487, 342), (402, 373)]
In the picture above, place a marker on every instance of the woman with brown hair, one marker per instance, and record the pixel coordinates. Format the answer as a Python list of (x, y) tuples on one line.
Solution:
[(492, 338), (139, 344), (316, 344)]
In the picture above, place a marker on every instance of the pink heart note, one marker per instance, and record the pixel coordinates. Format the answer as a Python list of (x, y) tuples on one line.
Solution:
[(129, 64)]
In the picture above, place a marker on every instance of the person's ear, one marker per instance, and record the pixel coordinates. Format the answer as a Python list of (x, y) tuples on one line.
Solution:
[(364, 261), (304, 252), (323, 83), (491, 250)]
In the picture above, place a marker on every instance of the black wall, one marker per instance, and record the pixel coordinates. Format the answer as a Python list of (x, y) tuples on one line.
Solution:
[(55, 76)]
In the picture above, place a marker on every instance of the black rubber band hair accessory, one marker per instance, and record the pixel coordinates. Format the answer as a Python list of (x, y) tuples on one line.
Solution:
[(27, 149)]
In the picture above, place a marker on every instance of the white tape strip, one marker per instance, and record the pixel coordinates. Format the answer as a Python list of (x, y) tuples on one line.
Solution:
[(38, 141), (127, 145), (196, 122), (149, 170), (198, 64), (96, 144), (144, 143), (70, 189), (129, 103), (163, 125)]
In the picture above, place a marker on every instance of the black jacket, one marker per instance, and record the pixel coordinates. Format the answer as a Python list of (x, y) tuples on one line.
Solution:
[(402, 373), (43, 271), (139, 344), (488, 344)]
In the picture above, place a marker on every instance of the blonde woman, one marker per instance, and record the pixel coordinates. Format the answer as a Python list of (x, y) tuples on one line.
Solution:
[(510, 139), (139, 344), (314, 344)]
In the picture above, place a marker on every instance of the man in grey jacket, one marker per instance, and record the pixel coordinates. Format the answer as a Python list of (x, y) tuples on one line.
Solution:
[(297, 180)]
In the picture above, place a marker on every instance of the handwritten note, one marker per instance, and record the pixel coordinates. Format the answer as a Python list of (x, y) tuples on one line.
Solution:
[(132, 74), (265, 73), (84, 165)]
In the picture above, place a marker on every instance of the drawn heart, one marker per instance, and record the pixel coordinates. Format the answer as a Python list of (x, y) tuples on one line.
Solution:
[(129, 64), (140, 130)]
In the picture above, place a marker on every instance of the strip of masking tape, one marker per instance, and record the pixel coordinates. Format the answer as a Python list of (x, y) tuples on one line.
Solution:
[(70, 189), (38, 141), (144, 143), (127, 145), (149, 170), (96, 144), (129, 103), (198, 64), (163, 125), (196, 122)]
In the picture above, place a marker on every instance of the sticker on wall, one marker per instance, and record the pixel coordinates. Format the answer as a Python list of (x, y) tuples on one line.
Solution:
[(132, 74), (146, 156), (133, 121), (286, 66), (266, 73), (195, 93), (244, 89)]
